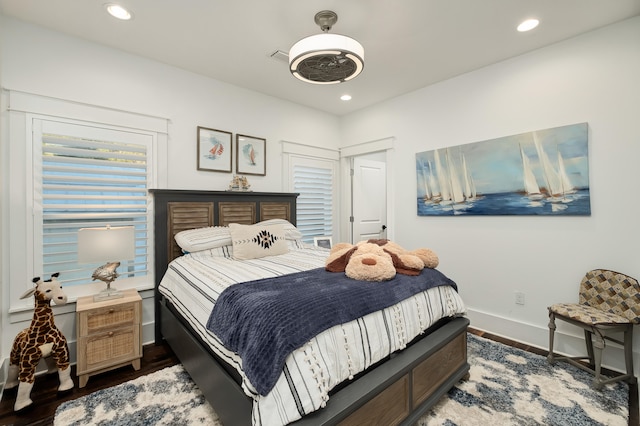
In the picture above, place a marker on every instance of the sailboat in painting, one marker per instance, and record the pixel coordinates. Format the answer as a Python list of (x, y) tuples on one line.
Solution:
[(531, 187), (425, 183), (252, 156), (470, 192), (558, 184), (447, 182), (457, 196), (216, 151), (567, 186), (249, 153), (443, 184)]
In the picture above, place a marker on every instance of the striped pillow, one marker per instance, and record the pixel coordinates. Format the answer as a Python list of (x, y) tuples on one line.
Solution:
[(193, 240)]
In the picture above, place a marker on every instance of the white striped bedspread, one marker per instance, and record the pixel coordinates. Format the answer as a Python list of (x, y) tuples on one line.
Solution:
[(194, 281)]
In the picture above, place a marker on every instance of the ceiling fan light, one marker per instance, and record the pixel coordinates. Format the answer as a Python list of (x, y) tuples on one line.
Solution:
[(326, 59)]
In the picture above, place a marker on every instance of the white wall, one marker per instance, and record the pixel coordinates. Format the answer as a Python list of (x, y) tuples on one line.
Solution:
[(39, 61), (594, 78)]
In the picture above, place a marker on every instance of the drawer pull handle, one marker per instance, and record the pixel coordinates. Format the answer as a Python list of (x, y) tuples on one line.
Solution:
[(111, 334), (111, 310)]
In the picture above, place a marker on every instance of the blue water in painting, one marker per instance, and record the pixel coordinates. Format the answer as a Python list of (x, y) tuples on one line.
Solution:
[(576, 204)]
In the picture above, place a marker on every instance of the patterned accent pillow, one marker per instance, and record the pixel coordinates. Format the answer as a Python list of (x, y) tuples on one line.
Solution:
[(194, 240), (255, 241)]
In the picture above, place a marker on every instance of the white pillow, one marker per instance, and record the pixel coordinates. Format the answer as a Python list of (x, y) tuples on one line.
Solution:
[(193, 240), (224, 251), (290, 231), (255, 241)]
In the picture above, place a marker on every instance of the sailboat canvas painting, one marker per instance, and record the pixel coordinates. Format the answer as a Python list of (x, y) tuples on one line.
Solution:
[(544, 172)]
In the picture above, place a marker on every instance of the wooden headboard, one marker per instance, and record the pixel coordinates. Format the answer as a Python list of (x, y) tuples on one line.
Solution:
[(178, 210)]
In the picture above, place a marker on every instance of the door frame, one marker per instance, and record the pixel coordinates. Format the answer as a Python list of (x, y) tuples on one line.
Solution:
[(385, 145)]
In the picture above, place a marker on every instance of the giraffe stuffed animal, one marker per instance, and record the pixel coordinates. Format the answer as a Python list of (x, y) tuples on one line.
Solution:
[(41, 339)]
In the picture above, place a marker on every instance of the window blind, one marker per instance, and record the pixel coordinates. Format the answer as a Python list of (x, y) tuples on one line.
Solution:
[(90, 183), (315, 202)]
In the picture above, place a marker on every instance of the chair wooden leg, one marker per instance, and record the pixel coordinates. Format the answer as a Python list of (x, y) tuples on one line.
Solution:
[(598, 346), (628, 354), (552, 329), (589, 341)]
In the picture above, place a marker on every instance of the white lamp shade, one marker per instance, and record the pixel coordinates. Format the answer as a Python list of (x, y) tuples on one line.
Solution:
[(108, 244)]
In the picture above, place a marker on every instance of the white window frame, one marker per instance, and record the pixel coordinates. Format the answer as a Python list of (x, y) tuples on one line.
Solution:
[(19, 211)]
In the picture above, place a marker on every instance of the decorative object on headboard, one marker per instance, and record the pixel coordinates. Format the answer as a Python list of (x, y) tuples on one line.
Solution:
[(215, 150), (239, 183), (251, 155)]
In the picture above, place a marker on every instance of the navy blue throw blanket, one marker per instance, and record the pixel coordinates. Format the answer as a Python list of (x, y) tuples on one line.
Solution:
[(265, 320)]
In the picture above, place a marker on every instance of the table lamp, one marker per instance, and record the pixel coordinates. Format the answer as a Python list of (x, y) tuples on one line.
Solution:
[(108, 244)]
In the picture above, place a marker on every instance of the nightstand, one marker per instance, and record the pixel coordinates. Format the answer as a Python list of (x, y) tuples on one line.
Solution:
[(108, 334)]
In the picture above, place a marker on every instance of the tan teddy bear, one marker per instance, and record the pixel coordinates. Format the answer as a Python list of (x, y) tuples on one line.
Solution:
[(368, 260), (364, 261), (370, 263), (428, 257)]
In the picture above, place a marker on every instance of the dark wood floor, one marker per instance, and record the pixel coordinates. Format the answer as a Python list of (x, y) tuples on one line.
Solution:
[(46, 399), (156, 357)]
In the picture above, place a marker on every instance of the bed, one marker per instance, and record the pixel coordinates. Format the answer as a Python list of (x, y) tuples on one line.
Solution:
[(396, 389)]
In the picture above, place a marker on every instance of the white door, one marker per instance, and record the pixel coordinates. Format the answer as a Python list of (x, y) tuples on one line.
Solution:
[(369, 199)]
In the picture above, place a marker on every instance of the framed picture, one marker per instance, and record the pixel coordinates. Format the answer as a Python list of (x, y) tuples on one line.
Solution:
[(543, 172), (215, 150), (322, 242), (251, 157)]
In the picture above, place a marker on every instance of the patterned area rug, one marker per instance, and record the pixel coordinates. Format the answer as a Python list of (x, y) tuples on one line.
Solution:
[(507, 386), (166, 397)]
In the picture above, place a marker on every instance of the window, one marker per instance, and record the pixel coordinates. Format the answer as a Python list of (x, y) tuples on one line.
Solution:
[(312, 172), (67, 165), (86, 176), (313, 179)]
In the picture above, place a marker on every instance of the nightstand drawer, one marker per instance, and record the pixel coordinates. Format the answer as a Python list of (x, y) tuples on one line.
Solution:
[(112, 347), (108, 318)]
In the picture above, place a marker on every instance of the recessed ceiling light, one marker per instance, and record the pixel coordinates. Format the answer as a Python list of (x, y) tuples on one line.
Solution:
[(345, 97), (528, 25), (118, 11)]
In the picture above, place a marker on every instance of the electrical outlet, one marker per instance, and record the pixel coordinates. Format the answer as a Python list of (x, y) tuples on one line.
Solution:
[(519, 298)]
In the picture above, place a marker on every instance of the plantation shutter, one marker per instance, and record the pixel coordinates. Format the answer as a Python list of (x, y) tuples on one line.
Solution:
[(315, 202), (89, 177)]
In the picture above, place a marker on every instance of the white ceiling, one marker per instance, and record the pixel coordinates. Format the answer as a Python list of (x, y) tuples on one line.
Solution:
[(408, 44)]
